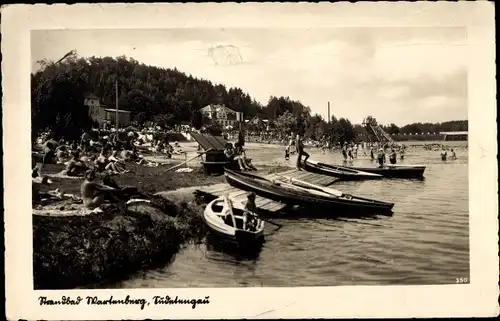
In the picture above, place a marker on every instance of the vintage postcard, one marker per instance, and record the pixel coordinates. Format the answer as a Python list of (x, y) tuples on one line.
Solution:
[(250, 160)]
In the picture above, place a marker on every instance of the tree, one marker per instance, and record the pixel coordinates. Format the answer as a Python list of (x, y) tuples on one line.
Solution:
[(286, 123), (57, 99), (345, 131), (316, 128), (392, 129), (197, 119)]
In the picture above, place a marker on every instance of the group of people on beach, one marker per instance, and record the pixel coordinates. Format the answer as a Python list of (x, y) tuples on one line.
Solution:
[(237, 153)]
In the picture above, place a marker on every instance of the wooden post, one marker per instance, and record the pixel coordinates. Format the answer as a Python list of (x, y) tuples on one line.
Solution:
[(241, 138), (116, 87), (329, 119)]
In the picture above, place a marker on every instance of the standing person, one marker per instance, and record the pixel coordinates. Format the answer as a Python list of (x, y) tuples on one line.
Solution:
[(355, 150), (444, 154), (403, 150), (289, 147), (349, 152), (392, 156), (344, 151), (299, 145), (250, 213), (381, 157), (372, 155)]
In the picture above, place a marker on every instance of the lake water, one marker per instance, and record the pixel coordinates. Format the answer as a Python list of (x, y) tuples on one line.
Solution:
[(426, 241)]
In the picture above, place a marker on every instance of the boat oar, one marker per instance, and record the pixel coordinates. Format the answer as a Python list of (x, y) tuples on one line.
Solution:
[(230, 208), (184, 162), (314, 187), (265, 220), (271, 222)]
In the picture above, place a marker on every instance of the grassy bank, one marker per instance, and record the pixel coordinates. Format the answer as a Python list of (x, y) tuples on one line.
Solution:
[(71, 251)]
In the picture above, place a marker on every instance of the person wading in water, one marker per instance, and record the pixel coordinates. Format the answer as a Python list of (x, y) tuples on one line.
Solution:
[(299, 144), (443, 154), (392, 156), (453, 154), (344, 152), (381, 157)]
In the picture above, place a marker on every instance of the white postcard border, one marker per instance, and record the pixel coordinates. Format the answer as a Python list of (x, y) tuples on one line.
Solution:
[(479, 298)]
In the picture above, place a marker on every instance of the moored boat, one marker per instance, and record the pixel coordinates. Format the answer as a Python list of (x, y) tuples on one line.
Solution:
[(227, 221), (395, 171), (305, 194), (342, 172)]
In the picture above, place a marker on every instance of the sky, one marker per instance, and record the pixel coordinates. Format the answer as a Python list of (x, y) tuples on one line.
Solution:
[(397, 75)]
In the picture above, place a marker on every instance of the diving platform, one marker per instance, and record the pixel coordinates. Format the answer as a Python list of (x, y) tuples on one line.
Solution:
[(267, 205)]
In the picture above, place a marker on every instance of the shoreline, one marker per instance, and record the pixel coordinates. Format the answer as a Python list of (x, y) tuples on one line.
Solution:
[(71, 251)]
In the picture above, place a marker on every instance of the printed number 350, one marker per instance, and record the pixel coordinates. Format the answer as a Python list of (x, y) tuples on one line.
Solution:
[(462, 280)]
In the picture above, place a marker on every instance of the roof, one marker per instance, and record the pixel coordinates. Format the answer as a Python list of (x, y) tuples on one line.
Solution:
[(91, 96), (119, 110), (454, 133), (208, 141), (217, 108)]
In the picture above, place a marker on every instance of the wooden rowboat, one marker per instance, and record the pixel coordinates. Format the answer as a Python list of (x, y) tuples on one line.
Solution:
[(304, 194), (226, 220), (395, 171), (344, 173)]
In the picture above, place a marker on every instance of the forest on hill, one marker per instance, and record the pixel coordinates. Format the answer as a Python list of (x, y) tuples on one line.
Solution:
[(167, 96)]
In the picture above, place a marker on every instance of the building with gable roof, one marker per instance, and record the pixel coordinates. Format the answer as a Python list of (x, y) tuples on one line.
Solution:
[(222, 115)]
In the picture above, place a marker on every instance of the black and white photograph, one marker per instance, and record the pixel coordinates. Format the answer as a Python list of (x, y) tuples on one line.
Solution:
[(238, 156)]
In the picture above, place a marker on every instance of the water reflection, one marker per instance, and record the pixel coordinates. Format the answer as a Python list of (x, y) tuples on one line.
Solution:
[(236, 251)]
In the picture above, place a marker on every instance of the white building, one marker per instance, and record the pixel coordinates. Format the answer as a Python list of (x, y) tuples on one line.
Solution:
[(222, 115)]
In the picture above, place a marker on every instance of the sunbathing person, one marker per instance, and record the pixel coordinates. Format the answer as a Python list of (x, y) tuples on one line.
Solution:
[(240, 156), (116, 164), (176, 149), (74, 166), (102, 160), (94, 194)]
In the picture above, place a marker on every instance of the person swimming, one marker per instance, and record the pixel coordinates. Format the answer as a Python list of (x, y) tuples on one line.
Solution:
[(453, 154)]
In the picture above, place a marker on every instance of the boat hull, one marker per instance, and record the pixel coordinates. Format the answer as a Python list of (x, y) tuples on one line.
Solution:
[(340, 172), (237, 236), (336, 206), (395, 171)]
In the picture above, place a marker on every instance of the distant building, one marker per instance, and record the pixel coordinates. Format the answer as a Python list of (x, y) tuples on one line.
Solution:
[(455, 135), (101, 114), (123, 116), (222, 115)]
